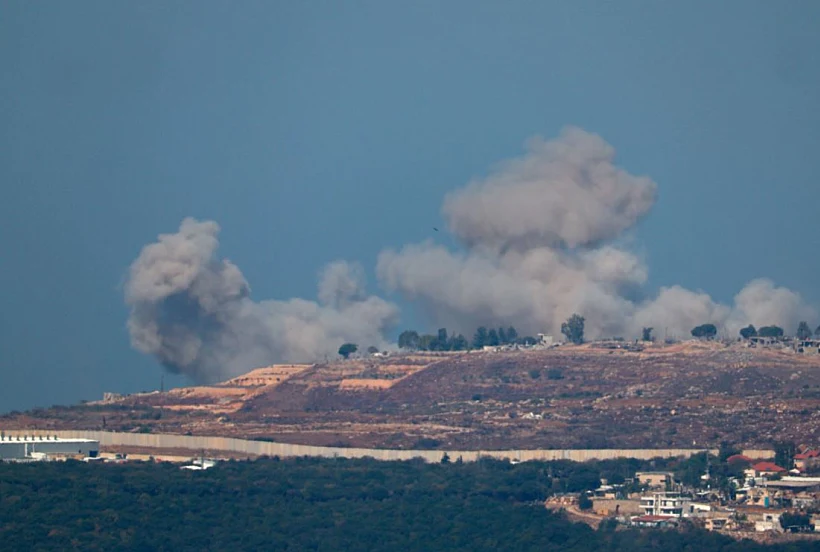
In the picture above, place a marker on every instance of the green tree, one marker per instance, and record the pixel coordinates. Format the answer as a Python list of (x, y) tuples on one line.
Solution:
[(442, 343), (409, 339), (748, 332), (647, 334), (784, 454), (709, 331), (573, 329), (817, 332), (528, 340), (480, 337), (512, 335), (502, 336), (372, 349), (427, 342), (348, 349), (770, 331), (584, 503), (803, 330), (458, 343), (492, 338)]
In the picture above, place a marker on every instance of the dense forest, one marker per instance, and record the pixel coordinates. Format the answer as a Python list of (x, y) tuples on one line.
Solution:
[(317, 505)]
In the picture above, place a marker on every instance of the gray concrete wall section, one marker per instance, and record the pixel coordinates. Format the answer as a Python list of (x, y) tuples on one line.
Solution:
[(164, 441), (10, 450)]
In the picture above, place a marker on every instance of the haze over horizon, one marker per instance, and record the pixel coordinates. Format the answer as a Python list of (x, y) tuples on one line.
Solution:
[(328, 143)]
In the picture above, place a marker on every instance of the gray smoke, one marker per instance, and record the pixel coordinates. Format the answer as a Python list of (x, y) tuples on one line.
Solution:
[(543, 237), (539, 236), (193, 311)]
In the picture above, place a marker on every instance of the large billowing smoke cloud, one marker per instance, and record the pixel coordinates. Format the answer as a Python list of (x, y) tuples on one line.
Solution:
[(539, 237), (542, 239), (193, 311)]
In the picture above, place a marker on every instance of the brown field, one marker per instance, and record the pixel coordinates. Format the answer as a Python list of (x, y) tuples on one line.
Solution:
[(353, 384)]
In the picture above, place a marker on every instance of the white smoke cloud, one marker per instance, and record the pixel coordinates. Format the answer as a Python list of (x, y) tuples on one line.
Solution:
[(538, 234), (193, 311)]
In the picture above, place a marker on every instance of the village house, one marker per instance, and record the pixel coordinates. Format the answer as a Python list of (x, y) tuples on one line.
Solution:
[(655, 480), (755, 496), (609, 507), (761, 341), (763, 519), (807, 461), (665, 503), (795, 492), (718, 523), (764, 469), (604, 491), (808, 346)]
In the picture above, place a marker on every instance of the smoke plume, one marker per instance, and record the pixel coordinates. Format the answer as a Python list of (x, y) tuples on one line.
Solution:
[(542, 238), (539, 236), (194, 313)]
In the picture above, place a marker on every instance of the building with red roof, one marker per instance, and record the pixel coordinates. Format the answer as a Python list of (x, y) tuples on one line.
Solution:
[(767, 468), (807, 461), (739, 459)]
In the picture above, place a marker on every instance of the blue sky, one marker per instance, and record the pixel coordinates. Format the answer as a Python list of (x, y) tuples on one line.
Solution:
[(315, 131)]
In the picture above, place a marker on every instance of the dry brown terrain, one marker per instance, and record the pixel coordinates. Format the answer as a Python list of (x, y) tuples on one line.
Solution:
[(694, 393)]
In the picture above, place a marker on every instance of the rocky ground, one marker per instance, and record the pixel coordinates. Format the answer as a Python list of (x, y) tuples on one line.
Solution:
[(589, 396)]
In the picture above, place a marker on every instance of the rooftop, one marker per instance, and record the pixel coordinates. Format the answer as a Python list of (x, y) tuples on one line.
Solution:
[(739, 458), (807, 454), (767, 467)]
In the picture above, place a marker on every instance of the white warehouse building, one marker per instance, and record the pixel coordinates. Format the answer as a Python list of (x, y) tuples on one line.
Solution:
[(22, 447)]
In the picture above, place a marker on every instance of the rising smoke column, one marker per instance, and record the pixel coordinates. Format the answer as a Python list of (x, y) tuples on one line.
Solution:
[(539, 243), (193, 310)]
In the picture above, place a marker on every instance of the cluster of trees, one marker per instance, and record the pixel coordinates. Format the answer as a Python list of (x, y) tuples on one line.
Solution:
[(573, 329), (442, 341), (765, 331), (709, 331), (803, 331), (484, 337), (321, 504)]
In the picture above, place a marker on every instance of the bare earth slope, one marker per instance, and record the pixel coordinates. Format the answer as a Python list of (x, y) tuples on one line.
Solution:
[(691, 394)]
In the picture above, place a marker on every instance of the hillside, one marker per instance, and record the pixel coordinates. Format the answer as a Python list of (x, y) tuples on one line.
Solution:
[(569, 397)]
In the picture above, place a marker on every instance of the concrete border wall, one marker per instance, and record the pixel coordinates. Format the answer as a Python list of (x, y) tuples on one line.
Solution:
[(194, 443)]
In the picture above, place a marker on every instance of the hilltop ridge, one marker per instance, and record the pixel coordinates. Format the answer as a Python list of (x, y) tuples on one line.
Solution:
[(689, 394)]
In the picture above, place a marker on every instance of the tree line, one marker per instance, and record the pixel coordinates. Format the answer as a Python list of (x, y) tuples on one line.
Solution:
[(572, 329), (709, 331), (444, 341)]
